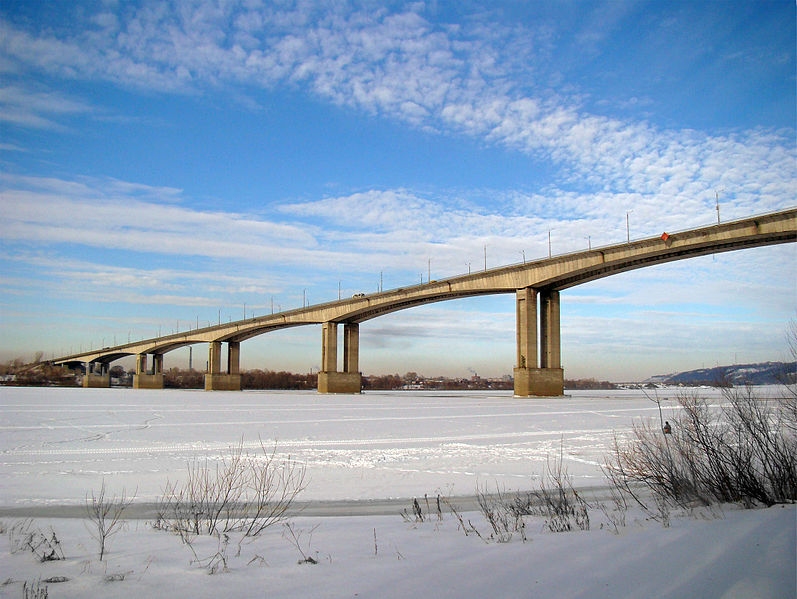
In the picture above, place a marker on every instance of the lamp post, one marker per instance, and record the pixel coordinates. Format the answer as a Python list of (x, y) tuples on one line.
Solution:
[(628, 227)]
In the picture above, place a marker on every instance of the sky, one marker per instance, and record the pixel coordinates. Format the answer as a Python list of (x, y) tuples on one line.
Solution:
[(166, 165)]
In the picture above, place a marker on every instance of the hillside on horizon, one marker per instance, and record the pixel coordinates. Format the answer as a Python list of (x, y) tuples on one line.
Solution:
[(761, 373)]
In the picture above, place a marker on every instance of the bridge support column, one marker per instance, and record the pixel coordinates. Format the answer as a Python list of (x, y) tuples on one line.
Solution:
[(329, 379), (551, 346), (94, 379), (215, 379), (146, 379), (545, 378), (526, 315), (351, 348)]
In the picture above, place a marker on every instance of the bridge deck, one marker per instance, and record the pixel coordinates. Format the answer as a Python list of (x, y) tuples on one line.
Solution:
[(555, 273)]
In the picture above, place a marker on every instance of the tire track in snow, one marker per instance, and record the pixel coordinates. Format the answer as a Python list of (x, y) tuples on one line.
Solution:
[(284, 446), (353, 419)]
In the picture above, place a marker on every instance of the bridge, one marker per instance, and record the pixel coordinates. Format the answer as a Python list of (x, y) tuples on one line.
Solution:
[(537, 286)]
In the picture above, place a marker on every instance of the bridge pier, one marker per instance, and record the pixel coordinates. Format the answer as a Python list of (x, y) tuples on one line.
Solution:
[(329, 379), (94, 379), (533, 377), (215, 379), (145, 379)]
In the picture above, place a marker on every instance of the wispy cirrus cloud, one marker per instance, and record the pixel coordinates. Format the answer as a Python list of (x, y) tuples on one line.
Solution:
[(23, 105), (460, 80), (395, 229), (118, 215)]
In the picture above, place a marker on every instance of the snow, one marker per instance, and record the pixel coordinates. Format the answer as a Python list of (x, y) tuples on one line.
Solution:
[(367, 457)]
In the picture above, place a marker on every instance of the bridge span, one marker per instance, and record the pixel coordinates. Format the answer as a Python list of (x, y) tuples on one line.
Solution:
[(538, 370)]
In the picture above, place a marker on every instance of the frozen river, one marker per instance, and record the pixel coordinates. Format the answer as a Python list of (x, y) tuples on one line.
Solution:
[(57, 445)]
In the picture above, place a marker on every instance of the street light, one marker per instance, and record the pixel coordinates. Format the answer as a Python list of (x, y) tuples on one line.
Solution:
[(628, 227)]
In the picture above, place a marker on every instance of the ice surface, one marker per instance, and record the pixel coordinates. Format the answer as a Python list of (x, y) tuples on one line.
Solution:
[(57, 445)]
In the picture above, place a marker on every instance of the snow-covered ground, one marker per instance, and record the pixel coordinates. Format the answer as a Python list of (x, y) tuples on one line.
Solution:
[(58, 445)]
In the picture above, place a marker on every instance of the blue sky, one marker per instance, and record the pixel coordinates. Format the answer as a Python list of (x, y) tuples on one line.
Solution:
[(168, 164)]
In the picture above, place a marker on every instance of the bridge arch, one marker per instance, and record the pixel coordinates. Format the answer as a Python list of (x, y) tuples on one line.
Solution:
[(536, 285)]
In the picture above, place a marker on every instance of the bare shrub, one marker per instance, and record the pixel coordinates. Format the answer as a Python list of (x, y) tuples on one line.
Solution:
[(499, 511), (44, 545), (105, 515), (742, 452), (416, 513), (556, 500), (466, 528), (616, 511), (216, 563), (241, 493), (34, 590), (294, 536)]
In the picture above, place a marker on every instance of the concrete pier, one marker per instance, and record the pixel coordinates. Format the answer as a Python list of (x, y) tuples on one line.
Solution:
[(216, 379), (96, 375), (538, 373), (146, 379), (329, 379), (94, 380)]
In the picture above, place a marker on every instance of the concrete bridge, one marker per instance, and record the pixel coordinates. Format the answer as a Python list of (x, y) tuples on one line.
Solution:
[(537, 284)]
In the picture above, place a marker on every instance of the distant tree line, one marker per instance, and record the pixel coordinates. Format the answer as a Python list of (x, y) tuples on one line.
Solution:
[(270, 379), (43, 373), (584, 384), (177, 378)]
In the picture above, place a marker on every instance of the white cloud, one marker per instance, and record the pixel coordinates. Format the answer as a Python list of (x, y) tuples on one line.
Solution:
[(120, 215), (398, 230), (401, 66), (25, 106)]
